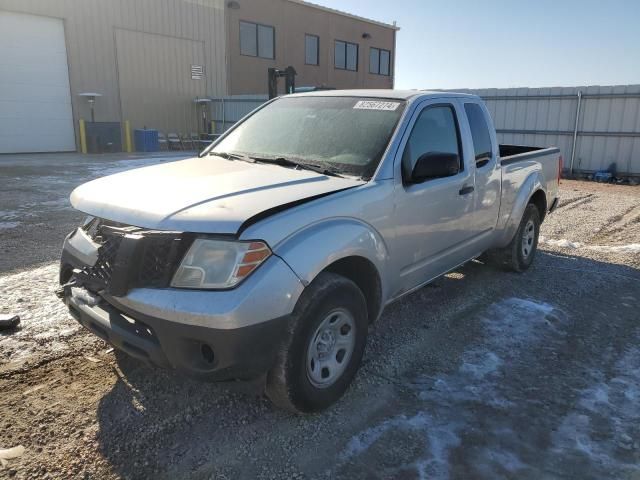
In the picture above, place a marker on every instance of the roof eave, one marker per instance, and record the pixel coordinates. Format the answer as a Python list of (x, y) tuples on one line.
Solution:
[(345, 14)]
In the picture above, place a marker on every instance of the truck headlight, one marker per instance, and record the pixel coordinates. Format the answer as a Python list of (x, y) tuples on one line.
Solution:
[(219, 263)]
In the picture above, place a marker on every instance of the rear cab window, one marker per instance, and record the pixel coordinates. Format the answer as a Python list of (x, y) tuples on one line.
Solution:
[(479, 134)]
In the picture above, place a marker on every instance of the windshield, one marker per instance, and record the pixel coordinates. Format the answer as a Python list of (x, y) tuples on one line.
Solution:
[(345, 134)]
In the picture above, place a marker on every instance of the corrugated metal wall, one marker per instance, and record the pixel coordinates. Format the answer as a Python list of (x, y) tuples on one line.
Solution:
[(608, 127), (225, 111), (91, 29)]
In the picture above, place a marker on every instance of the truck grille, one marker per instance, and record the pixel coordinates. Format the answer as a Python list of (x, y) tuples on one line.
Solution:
[(150, 263), (158, 261), (103, 269)]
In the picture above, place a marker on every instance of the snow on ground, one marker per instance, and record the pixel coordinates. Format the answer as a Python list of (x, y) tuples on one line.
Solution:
[(8, 219), (631, 248), (564, 243), (451, 402), (8, 225), (607, 410), (45, 322), (100, 170)]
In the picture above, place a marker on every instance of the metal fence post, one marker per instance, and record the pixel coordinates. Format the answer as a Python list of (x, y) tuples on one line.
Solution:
[(224, 118), (127, 136), (575, 132), (83, 136)]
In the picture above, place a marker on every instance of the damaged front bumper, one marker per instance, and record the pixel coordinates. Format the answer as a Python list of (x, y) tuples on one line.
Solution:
[(208, 334)]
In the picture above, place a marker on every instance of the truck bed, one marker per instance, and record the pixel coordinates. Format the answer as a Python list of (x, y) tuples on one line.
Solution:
[(516, 153), (519, 163)]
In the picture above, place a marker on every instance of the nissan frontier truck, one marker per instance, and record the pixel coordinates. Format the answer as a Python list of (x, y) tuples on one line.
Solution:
[(271, 253)]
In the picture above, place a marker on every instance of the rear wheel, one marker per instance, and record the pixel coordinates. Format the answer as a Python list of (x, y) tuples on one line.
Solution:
[(324, 346), (519, 254)]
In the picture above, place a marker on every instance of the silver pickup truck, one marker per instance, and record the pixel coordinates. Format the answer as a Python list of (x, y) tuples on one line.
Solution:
[(271, 253)]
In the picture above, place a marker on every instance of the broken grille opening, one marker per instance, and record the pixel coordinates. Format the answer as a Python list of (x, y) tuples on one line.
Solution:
[(153, 268), (103, 269)]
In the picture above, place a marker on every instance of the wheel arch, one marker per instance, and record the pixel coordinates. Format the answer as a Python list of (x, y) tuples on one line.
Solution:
[(539, 199), (531, 191), (347, 246), (365, 275)]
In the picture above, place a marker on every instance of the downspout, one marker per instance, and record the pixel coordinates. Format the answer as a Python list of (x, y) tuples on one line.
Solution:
[(575, 133)]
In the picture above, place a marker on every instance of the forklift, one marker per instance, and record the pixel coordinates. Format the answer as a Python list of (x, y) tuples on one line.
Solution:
[(289, 75)]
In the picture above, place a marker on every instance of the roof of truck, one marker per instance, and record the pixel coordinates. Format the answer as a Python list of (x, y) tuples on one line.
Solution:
[(382, 93)]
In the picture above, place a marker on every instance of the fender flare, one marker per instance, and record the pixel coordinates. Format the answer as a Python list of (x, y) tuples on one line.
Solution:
[(313, 248), (530, 186)]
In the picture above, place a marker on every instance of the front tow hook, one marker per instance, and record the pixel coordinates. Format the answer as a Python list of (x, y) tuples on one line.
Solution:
[(65, 290)]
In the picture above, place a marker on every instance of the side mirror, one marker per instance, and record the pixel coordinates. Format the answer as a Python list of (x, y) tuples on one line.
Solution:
[(435, 165)]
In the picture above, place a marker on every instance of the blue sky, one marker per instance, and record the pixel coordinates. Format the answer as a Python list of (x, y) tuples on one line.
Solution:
[(509, 43)]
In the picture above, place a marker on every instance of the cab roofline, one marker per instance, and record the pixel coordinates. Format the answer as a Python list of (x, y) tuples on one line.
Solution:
[(384, 94)]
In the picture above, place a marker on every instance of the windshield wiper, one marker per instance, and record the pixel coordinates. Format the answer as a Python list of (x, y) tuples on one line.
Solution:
[(233, 156), (286, 162), (281, 161)]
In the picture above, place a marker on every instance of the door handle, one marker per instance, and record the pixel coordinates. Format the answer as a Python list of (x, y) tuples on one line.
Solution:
[(466, 190)]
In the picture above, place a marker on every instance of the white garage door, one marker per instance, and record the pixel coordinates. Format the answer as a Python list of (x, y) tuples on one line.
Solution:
[(35, 103)]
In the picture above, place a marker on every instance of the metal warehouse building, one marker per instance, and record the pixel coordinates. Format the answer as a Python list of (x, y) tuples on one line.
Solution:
[(147, 62)]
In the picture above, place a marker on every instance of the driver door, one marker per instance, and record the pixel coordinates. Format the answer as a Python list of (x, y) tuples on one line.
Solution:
[(433, 217)]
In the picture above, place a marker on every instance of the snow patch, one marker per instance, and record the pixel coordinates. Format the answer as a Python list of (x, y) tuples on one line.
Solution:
[(131, 163), (631, 248), (450, 402), (8, 225), (564, 243), (45, 321), (8, 214), (611, 406)]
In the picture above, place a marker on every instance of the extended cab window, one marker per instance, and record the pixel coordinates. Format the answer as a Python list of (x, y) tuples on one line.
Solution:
[(479, 133), (435, 131)]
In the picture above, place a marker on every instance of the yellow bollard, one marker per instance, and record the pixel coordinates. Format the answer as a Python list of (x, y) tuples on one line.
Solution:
[(127, 136), (83, 137)]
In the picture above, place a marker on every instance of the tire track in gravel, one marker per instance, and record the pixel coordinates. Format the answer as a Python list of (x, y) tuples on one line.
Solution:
[(572, 201), (618, 224)]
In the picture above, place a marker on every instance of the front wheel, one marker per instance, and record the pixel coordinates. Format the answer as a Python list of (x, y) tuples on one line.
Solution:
[(324, 346)]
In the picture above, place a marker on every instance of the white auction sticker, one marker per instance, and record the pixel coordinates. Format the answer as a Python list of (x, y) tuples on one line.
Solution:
[(375, 105)]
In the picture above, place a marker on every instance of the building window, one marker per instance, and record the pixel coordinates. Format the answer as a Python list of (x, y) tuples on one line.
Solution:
[(311, 49), (379, 61), (257, 40), (346, 56)]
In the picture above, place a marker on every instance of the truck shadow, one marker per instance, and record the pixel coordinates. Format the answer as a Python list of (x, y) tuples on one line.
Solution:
[(153, 410), (158, 424)]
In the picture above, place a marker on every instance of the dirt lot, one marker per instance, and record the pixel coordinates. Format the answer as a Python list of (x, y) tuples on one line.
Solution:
[(482, 374)]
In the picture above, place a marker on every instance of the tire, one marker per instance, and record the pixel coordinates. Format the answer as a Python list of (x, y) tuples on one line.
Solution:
[(519, 254), (331, 311)]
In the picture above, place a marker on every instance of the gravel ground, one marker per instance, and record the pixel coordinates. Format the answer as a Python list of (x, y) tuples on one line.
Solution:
[(34, 200), (482, 374)]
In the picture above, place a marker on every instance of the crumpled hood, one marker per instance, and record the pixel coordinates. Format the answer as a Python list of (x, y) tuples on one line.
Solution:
[(205, 195)]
